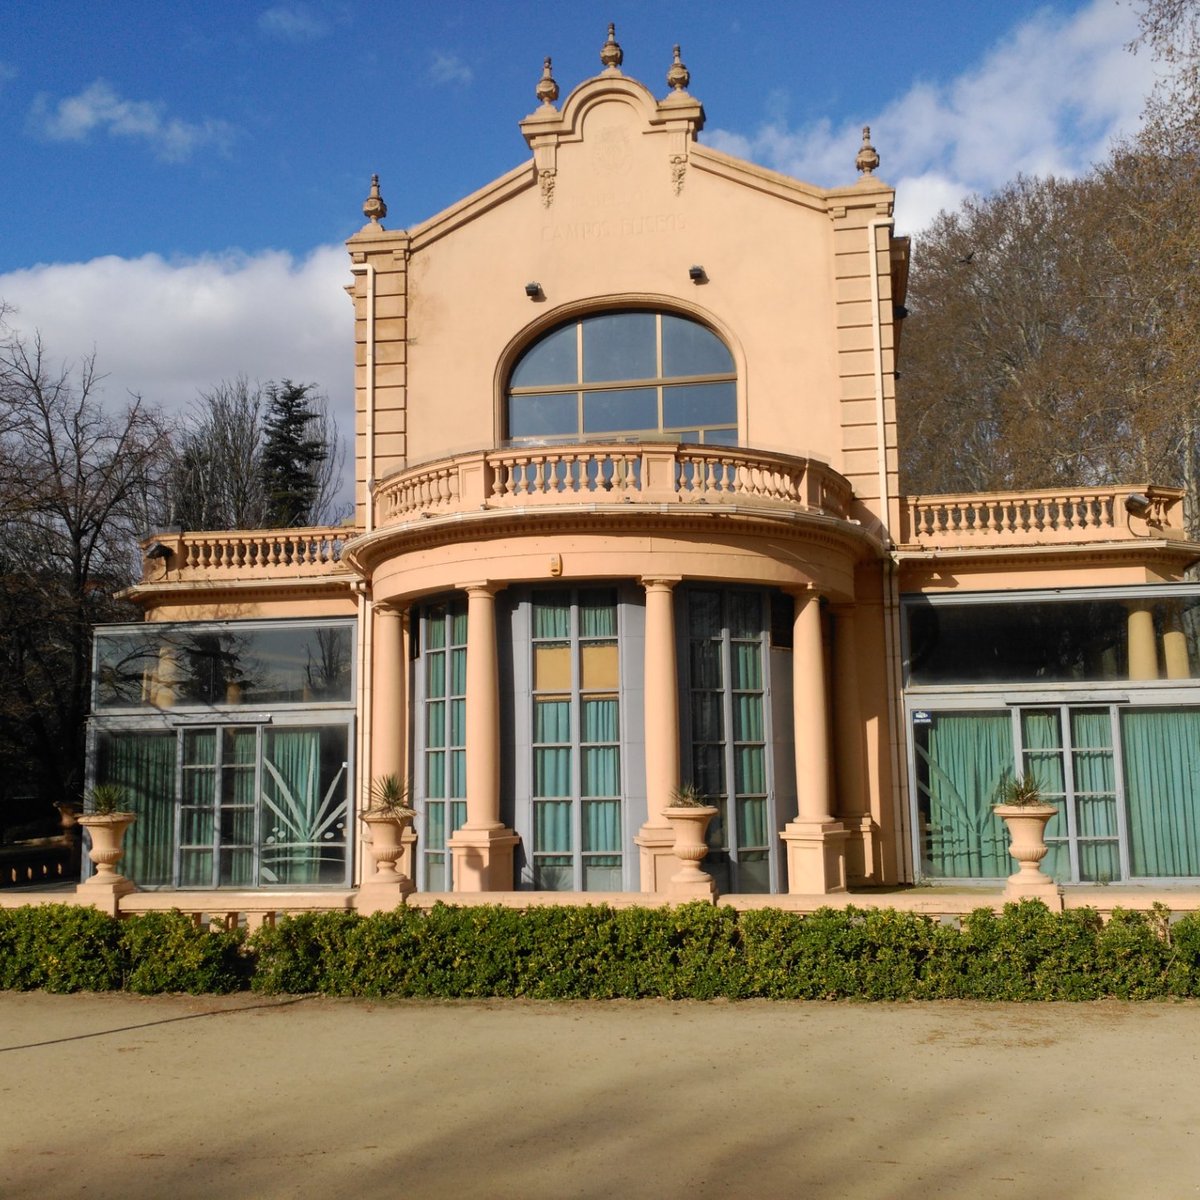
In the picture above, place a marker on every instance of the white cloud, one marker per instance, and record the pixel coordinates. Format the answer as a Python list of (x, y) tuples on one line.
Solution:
[(99, 108), (292, 23), (450, 69), (1050, 98), (168, 330)]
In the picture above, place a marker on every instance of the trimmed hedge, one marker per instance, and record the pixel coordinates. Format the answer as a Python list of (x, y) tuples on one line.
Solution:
[(694, 951)]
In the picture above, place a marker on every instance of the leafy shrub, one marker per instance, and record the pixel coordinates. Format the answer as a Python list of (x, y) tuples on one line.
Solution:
[(167, 952), (59, 948)]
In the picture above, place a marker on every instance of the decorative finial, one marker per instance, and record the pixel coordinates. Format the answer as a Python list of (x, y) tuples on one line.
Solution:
[(611, 55), (867, 159), (547, 89), (373, 206), (678, 77)]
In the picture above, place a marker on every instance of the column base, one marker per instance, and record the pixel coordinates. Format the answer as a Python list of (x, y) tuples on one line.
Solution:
[(816, 856), (684, 891), (383, 894), (483, 858), (657, 859), (862, 850)]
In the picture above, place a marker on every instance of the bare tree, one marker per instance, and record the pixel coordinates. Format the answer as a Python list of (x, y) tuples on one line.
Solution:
[(77, 484)]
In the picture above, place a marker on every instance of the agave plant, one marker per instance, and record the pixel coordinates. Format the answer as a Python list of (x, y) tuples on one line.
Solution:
[(389, 797), (105, 799), (688, 795), (1019, 791)]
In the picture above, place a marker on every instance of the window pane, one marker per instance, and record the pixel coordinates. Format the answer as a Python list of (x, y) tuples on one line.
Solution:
[(602, 825), (601, 775), (745, 615), (619, 346), (1161, 760), (200, 747), (632, 410), (551, 618), (602, 873), (691, 349), (551, 721), (549, 361), (599, 666), (552, 827), (598, 614), (435, 674), (747, 665), (552, 772), (707, 717), (600, 720), (748, 718), (704, 613), (720, 437), (706, 664), (554, 415), (695, 404), (197, 827), (551, 667), (196, 868)]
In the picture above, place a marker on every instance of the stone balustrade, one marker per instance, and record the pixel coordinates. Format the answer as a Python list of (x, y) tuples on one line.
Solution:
[(610, 473), (262, 553), (994, 519)]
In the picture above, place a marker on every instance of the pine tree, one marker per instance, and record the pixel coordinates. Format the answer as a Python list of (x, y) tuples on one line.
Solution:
[(292, 454)]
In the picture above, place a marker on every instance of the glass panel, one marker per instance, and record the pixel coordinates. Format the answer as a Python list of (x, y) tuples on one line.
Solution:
[(458, 773), (552, 415), (600, 776), (745, 615), (706, 664), (749, 769), (197, 827), (553, 359), (1161, 756), (458, 672), (602, 826), (551, 618), (196, 868), (631, 410), (1099, 862), (599, 665), (704, 614), (748, 717), (241, 663), (143, 766), (752, 822), (720, 437), (693, 404), (597, 614), (551, 667), (552, 772), (620, 346), (237, 826), (552, 826), (961, 760), (707, 717), (551, 720), (435, 630), (458, 722), (708, 771), (304, 805), (237, 868), (555, 874), (435, 873), (199, 747), (753, 872), (435, 723), (199, 786), (691, 349), (602, 873), (458, 626), (600, 722), (435, 824), (435, 675), (747, 665), (435, 774)]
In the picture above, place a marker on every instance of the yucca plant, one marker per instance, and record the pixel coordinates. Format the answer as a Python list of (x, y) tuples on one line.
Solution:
[(389, 797), (688, 795), (1019, 791), (104, 799)]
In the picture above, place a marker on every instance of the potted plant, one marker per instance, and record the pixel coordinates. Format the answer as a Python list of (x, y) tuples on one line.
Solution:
[(689, 813), (387, 816), (106, 821), (1019, 803)]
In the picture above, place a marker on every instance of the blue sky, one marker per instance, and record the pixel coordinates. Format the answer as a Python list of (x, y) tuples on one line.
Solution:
[(179, 176)]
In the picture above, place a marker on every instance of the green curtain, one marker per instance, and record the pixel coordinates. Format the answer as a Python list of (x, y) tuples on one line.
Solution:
[(967, 756), (144, 765), (1161, 751)]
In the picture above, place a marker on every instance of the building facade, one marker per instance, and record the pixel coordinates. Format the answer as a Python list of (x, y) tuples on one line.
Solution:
[(628, 518)]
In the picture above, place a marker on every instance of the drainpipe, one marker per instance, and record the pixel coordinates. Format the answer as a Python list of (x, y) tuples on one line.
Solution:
[(891, 592)]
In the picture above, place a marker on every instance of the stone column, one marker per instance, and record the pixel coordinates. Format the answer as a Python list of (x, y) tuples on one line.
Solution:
[(853, 805), (661, 696), (816, 841), (389, 710), (1175, 647), (482, 849), (1143, 650)]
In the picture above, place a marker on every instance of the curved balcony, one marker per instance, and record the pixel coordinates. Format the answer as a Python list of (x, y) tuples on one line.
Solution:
[(610, 473)]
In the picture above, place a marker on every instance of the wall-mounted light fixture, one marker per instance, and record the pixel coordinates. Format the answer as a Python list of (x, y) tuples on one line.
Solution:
[(696, 274), (534, 291), (1138, 505), (159, 550)]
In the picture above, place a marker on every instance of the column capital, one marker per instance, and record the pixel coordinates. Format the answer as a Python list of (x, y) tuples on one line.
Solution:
[(660, 582), (389, 608), (479, 586)]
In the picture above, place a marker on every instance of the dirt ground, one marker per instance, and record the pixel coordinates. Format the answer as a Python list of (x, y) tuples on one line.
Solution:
[(173, 1097)]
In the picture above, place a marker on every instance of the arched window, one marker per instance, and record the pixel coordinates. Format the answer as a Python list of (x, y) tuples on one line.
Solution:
[(625, 374)]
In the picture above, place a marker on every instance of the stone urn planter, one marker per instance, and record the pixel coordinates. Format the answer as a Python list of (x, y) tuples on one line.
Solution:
[(689, 814), (386, 820), (106, 831), (1026, 816)]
